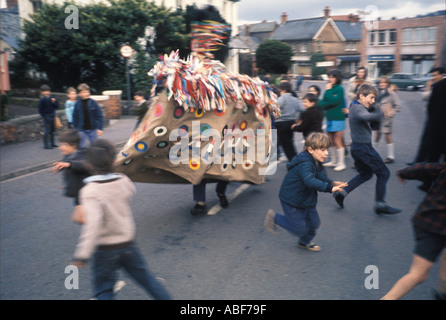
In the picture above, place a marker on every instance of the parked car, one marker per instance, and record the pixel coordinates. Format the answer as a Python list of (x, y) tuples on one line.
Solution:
[(407, 81)]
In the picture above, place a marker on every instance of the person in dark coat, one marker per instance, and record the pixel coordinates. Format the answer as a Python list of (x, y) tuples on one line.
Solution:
[(311, 119), (429, 225), (75, 169), (47, 109)]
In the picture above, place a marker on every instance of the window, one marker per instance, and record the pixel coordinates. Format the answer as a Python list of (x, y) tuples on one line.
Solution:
[(372, 37), (392, 36), (419, 35), (351, 46), (382, 37), (431, 34), (407, 35), (303, 47)]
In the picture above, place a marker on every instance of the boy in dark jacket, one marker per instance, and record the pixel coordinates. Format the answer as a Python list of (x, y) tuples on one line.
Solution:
[(429, 224), (311, 119), (298, 193), (75, 169), (87, 116), (47, 109)]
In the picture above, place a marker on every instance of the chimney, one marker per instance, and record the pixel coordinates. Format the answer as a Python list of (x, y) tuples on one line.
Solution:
[(284, 18), (326, 12)]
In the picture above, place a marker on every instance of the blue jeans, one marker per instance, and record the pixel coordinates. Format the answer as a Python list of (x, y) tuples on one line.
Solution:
[(302, 222), (106, 264), (91, 135), (48, 134), (369, 162)]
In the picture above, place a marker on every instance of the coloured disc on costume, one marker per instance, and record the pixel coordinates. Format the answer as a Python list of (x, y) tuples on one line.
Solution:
[(199, 113), (141, 146), (205, 129), (183, 130), (159, 131), (178, 112), (162, 144), (219, 112), (194, 164), (158, 111)]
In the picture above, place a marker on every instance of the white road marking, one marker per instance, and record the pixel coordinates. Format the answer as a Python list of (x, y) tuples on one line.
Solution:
[(215, 209)]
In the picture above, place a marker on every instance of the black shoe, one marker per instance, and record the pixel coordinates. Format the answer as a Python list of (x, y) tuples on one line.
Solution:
[(223, 201), (424, 187), (55, 146), (198, 210), (386, 210), (48, 147), (339, 197), (389, 160)]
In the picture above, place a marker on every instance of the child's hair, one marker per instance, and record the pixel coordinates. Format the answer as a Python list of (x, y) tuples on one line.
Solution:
[(317, 88), (45, 87), (140, 93), (70, 137), (71, 89), (83, 86), (101, 155), (310, 97), (317, 140), (286, 86), (337, 75), (366, 89)]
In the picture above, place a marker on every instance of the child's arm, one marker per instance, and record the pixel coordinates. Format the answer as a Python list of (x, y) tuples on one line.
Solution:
[(421, 171), (360, 112), (90, 230), (311, 180)]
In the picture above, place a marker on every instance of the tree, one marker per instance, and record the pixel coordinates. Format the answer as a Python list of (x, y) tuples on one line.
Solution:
[(91, 52), (316, 72), (274, 56)]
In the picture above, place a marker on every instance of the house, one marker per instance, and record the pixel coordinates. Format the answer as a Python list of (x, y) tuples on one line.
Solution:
[(337, 38), (410, 45), (252, 35)]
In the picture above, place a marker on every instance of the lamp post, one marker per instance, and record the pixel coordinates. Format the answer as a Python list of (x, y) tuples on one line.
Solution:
[(127, 52)]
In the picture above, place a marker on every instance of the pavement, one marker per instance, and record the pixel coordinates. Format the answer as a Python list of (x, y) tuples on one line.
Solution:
[(17, 159)]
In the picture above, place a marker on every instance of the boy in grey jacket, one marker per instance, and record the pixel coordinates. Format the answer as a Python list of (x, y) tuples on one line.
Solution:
[(362, 117), (108, 234)]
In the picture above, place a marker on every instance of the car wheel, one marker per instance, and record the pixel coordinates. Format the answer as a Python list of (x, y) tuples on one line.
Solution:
[(410, 88)]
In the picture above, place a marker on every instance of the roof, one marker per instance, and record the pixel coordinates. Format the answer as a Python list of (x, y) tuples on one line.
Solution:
[(350, 30), (302, 29), (307, 29)]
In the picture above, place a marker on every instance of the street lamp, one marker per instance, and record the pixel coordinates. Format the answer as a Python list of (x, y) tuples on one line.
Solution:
[(127, 52)]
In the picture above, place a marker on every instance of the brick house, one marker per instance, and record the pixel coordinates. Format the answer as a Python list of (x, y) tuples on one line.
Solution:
[(337, 37), (410, 45)]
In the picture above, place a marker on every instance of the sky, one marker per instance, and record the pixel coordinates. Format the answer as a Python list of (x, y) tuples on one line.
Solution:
[(251, 11)]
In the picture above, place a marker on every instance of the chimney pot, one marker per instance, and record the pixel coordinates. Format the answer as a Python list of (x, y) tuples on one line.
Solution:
[(326, 12), (284, 18)]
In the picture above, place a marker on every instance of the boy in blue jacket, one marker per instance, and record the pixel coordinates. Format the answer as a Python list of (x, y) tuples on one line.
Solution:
[(298, 193)]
